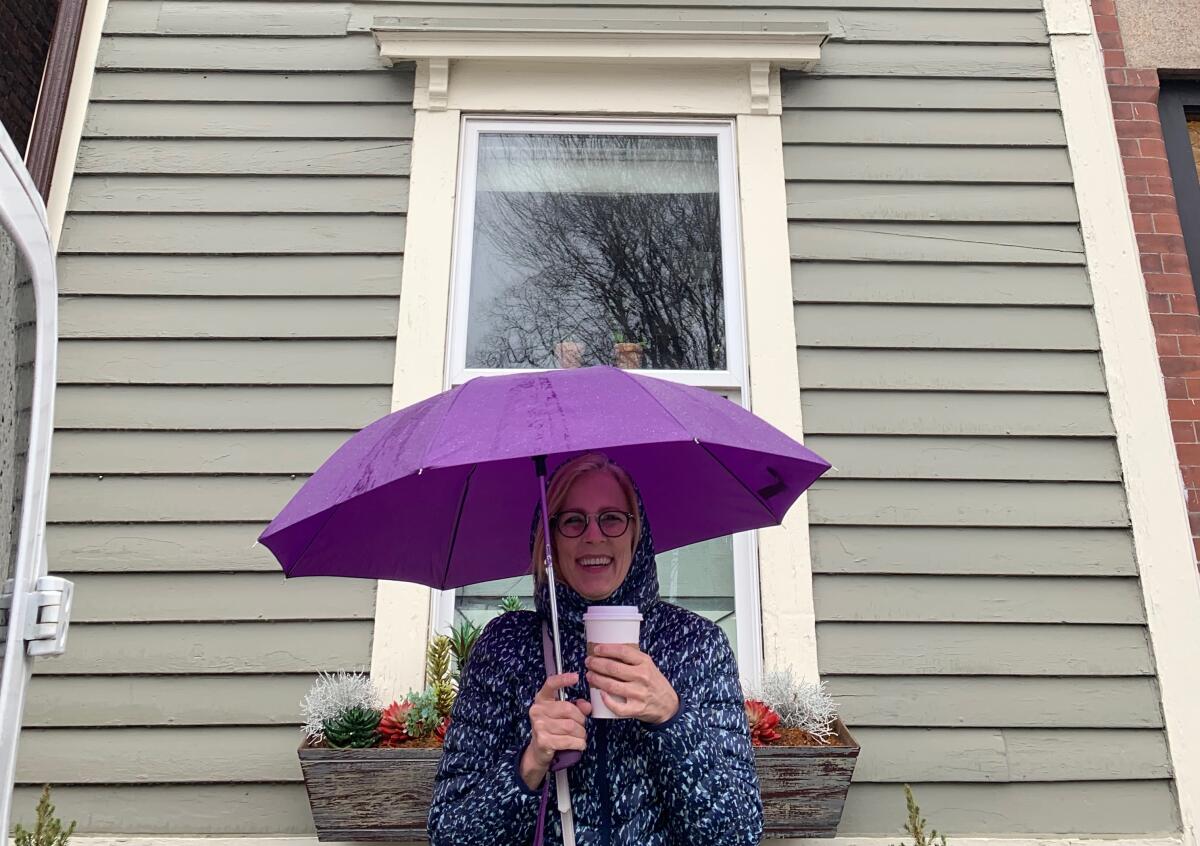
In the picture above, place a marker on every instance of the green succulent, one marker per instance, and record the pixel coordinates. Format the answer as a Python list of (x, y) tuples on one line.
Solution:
[(424, 716), (354, 728), (437, 672), (462, 641), (511, 603)]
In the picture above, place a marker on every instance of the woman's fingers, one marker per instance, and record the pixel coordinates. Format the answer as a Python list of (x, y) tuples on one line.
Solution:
[(622, 689), (615, 669), (549, 690)]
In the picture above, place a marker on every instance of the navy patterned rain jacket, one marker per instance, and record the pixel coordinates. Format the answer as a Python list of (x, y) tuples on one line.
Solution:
[(688, 782)]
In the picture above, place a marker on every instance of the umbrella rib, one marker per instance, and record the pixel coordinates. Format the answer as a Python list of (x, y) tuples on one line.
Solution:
[(738, 479), (287, 571), (704, 447), (462, 500), (453, 401)]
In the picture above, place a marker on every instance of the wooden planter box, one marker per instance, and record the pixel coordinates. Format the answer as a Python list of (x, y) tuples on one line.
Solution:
[(383, 794)]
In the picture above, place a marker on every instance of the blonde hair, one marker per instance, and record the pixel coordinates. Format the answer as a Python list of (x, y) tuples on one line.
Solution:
[(556, 495)]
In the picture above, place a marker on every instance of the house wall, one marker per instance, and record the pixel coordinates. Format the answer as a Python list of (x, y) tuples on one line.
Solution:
[(229, 270), (978, 609)]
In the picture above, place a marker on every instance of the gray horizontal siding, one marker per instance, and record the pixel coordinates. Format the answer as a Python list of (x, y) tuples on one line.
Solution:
[(250, 171), (946, 412), (230, 271), (304, 157), (83, 452), (185, 648), (239, 194), (958, 550), (249, 276), (1121, 807), (224, 362), (996, 701), (979, 616), (176, 809), (977, 599), (233, 234), (936, 284), (227, 317), (1001, 458), (122, 701), (261, 407)]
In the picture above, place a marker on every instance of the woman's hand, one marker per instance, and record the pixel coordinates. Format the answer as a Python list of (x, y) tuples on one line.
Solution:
[(624, 670), (556, 726)]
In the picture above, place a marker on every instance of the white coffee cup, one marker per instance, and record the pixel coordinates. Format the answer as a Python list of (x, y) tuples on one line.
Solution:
[(610, 624)]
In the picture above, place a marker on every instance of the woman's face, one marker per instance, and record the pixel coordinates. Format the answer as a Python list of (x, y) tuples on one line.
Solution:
[(593, 564)]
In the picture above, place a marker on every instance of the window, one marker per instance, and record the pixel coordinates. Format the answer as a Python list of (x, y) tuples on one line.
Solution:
[(1179, 109), (605, 242)]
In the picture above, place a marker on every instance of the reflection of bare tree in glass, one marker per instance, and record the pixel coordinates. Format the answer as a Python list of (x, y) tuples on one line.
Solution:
[(593, 264)]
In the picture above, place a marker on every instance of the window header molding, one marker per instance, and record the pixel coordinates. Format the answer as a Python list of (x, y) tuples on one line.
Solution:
[(760, 50)]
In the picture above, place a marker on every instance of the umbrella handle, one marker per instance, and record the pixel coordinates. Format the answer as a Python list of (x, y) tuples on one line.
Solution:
[(540, 463)]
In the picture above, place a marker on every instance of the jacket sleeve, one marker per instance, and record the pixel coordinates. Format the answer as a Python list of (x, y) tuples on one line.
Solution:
[(703, 753), (479, 797)]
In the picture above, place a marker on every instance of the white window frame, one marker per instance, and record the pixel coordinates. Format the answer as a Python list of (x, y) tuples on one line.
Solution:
[(734, 376), (733, 381)]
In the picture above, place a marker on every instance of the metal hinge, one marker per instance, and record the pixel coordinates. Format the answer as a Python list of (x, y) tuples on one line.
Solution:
[(47, 614)]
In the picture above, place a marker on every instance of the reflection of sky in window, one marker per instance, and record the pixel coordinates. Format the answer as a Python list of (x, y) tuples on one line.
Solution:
[(534, 246)]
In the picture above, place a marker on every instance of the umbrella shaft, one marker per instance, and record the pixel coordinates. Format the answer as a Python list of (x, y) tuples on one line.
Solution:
[(549, 561)]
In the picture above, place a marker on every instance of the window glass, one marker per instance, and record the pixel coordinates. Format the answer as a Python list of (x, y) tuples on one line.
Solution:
[(596, 248)]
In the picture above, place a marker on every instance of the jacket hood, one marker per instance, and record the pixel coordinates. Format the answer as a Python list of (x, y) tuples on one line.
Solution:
[(640, 587)]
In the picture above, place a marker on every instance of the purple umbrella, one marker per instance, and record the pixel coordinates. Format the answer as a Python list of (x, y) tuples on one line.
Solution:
[(441, 493)]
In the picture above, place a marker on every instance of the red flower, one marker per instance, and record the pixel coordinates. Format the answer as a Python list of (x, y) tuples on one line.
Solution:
[(442, 728), (391, 725), (762, 722)]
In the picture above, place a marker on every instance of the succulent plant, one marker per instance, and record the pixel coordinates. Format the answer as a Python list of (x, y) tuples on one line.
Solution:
[(443, 727), (437, 673), (333, 694), (462, 641), (511, 603), (393, 729), (355, 728), (762, 722), (423, 717), (799, 704)]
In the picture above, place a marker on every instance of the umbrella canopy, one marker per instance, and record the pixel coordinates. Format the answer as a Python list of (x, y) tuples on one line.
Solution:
[(441, 493)]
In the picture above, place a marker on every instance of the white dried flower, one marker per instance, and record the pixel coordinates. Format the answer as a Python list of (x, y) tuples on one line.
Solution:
[(332, 694), (799, 704)]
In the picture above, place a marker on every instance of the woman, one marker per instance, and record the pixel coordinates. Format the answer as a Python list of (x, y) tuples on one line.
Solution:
[(676, 770)]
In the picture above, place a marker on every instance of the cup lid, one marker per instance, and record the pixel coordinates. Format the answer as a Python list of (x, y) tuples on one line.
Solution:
[(612, 612)]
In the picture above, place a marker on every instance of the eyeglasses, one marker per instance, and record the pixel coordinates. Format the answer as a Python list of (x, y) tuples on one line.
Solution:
[(572, 524)]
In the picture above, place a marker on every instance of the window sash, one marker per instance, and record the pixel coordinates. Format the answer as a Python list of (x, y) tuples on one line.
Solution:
[(733, 381), (733, 376)]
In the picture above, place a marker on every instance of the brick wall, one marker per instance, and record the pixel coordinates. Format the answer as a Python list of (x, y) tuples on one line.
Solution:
[(25, 28), (1170, 289)]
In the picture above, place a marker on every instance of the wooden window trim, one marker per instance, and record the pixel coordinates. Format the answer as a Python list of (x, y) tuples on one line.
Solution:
[(51, 110), (1177, 100)]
